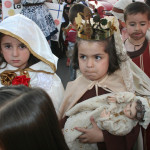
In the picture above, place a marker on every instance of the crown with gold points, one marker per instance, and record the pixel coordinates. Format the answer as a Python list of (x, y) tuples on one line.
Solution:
[(95, 28)]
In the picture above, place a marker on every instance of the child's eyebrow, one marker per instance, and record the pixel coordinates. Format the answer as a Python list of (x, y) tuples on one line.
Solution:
[(81, 54), (135, 22), (143, 21), (5, 43), (132, 22), (21, 44), (98, 54)]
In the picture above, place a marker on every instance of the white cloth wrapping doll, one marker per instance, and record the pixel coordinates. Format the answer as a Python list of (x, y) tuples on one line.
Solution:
[(116, 123)]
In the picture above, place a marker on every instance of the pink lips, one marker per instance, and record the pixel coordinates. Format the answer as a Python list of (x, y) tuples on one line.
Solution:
[(15, 61), (137, 34)]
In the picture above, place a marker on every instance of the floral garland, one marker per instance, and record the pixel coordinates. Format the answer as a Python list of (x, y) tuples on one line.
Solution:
[(10, 78)]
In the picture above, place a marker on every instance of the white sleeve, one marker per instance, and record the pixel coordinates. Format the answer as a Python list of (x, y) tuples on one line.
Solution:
[(52, 85), (57, 92)]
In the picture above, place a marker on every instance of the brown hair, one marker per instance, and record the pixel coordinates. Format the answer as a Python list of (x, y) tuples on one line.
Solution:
[(137, 7), (28, 120)]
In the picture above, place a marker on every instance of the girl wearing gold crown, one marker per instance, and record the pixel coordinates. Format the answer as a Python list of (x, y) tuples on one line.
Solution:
[(27, 59), (105, 68)]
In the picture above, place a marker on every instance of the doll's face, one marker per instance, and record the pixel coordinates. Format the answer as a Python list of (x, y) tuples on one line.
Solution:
[(130, 110), (137, 25), (93, 60), (14, 52)]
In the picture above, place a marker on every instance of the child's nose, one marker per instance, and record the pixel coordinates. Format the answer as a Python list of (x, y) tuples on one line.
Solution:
[(90, 63), (137, 27), (15, 52)]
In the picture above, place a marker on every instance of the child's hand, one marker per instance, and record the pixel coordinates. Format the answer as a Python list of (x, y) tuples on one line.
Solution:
[(111, 99), (104, 114), (92, 135)]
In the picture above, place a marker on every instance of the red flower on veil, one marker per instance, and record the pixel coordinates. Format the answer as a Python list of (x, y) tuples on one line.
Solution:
[(21, 80)]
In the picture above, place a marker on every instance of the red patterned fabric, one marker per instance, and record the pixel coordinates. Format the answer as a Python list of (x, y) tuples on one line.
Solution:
[(146, 61), (71, 36)]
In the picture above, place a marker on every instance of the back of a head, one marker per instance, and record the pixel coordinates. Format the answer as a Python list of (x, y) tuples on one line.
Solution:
[(8, 93), (74, 10), (135, 8), (28, 120)]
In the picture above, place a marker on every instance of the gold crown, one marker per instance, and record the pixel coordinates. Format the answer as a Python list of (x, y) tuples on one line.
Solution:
[(95, 28)]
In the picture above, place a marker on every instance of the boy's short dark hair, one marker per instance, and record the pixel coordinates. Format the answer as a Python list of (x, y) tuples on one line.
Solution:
[(75, 8), (137, 7), (114, 60)]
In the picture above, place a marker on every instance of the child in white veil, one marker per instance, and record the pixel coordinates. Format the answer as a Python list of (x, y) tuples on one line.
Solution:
[(26, 57)]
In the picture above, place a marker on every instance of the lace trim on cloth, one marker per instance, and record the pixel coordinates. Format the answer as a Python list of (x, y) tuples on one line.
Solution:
[(53, 86), (125, 65), (44, 81)]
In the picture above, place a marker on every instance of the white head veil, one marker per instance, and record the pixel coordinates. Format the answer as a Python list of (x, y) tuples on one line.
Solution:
[(26, 31)]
